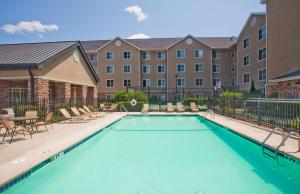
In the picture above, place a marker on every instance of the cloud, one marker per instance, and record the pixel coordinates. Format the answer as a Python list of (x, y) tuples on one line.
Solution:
[(138, 36), (137, 11), (30, 27)]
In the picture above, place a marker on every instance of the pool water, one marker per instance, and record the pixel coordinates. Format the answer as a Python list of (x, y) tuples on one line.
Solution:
[(164, 155)]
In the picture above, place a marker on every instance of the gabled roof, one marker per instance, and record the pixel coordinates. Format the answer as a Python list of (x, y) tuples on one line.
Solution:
[(289, 76), (161, 43), (36, 55), (249, 18)]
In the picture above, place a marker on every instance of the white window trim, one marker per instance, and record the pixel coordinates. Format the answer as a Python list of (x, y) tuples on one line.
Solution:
[(249, 42), (127, 80), (147, 52), (258, 54), (201, 86), (129, 68), (219, 68), (113, 68), (161, 79), (164, 55), (183, 81), (219, 54), (216, 78), (200, 56), (202, 68), (91, 57), (146, 66), (249, 60), (245, 83), (130, 56), (264, 26), (164, 68), (106, 83), (177, 68), (113, 54), (260, 69), (183, 54), (146, 82)]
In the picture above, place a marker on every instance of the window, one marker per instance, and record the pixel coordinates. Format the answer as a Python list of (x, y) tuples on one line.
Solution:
[(127, 55), (161, 83), (180, 82), (246, 77), (198, 53), (17, 94), (127, 68), (180, 68), (199, 68), (216, 68), (110, 69), (180, 53), (216, 81), (109, 97), (262, 74), (246, 60), (110, 55), (246, 42), (262, 54), (199, 82), (146, 83), (93, 57), (161, 68), (146, 69), (161, 56), (232, 69), (146, 55), (161, 97), (216, 54), (110, 83), (232, 53), (262, 33), (127, 83)]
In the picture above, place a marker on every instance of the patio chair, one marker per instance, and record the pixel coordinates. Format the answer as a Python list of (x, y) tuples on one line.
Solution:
[(194, 107), (113, 108), (179, 107), (75, 111), (46, 122), (203, 107), (91, 116), (145, 109), (69, 118), (170, 107), (102, 107), (98, 114), (11, 129)]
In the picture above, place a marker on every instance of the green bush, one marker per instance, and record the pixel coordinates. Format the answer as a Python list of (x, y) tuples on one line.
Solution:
[(198, 101), (137, 108), (124, 96)]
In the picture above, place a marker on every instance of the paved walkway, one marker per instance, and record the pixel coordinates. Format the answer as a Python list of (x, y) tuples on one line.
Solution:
[(25, 153)]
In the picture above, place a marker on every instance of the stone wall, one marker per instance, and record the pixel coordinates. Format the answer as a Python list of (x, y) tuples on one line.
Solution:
[(285, 88)]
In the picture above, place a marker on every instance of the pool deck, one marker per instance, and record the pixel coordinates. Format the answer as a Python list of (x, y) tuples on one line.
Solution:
[(25, 153)]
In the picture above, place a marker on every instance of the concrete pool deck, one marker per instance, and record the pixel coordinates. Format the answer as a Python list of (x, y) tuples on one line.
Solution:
[(25, 153)]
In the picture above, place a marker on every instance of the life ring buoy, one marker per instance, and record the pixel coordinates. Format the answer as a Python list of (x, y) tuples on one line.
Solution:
[(133, 102)]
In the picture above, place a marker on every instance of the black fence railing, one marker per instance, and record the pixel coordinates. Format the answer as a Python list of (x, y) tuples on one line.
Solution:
[(272, 112)]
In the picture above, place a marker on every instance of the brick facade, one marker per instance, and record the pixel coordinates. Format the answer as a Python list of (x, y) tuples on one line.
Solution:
[(41, 89), (92, 92), (285, 88), (81, 92), (63, 91)]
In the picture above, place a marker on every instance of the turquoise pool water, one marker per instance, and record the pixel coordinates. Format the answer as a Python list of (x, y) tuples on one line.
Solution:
[(164, 155)]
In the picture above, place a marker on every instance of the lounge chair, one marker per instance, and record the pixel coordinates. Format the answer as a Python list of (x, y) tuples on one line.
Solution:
[(113, 108), (75, 111), (98, 114), (170, 107), (179, 107), (194, 107), (145, 109), (102, 107), (12, 129), (46, 122), (82, 111), (203, 107), (67, 116)]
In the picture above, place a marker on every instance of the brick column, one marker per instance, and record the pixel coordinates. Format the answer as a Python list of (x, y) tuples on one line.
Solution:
[(63, 91), (4, 89), (41, 89), (81, 92), (92, 93)]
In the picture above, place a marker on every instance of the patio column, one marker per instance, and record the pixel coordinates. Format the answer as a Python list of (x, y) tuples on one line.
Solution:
[(41, 89), (4, 89), (81, 92), (63, 91)]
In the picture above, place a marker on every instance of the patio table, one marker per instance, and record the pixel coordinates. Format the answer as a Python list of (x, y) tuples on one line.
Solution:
[(23, 121)]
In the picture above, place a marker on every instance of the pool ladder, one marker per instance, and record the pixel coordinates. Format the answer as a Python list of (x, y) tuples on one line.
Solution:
[(274, 153)]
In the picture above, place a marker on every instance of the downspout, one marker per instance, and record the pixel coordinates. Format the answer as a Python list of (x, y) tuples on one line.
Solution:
[(32, 84)]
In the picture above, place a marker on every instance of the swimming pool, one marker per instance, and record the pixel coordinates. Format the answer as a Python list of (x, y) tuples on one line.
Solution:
[(164, 155)]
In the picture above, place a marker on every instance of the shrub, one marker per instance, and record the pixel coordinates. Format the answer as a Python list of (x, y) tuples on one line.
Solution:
[(198, 101), (123, 96), (137, 108)]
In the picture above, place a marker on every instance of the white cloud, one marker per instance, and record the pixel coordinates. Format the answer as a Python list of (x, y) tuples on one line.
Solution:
[(138, 12), (139, 36), (30, 27)]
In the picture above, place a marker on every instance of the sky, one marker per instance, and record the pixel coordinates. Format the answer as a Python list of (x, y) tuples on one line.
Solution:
[(61, 20)]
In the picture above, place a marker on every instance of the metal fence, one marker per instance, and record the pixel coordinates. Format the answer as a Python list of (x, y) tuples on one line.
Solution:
[(272, 112)]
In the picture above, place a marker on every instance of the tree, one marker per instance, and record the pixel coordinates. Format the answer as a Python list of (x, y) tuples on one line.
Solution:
[(252, 89)]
